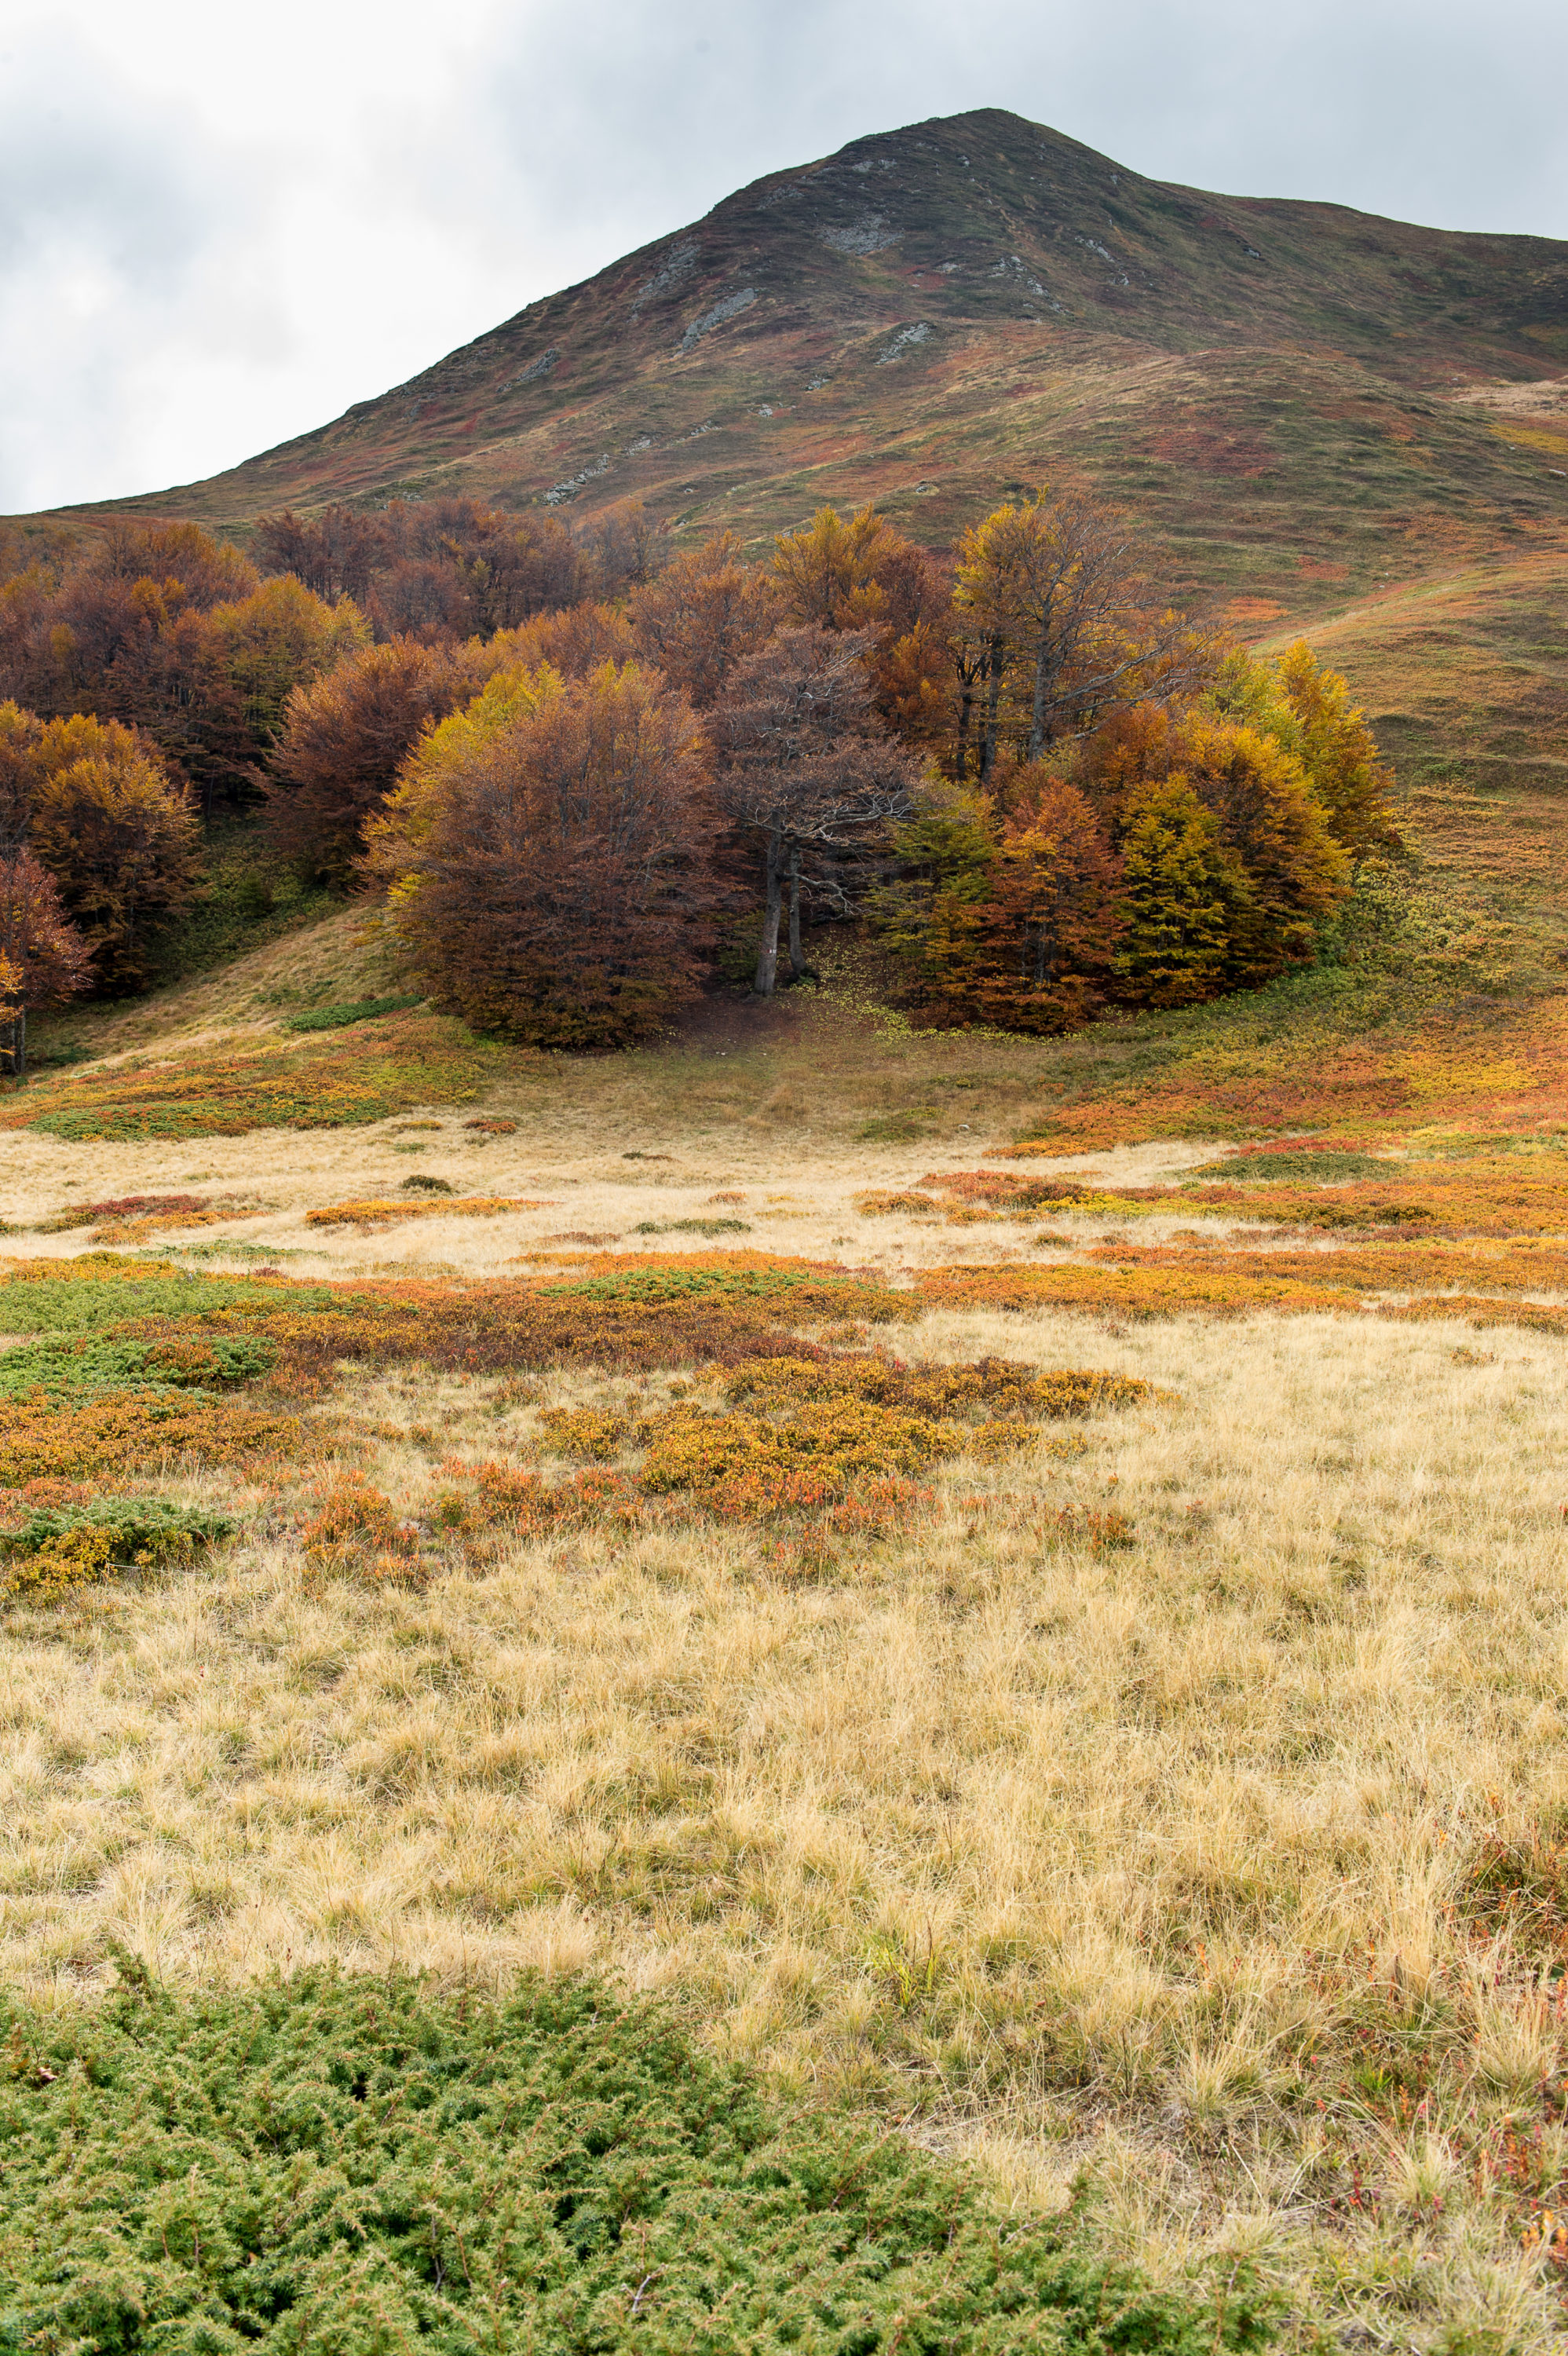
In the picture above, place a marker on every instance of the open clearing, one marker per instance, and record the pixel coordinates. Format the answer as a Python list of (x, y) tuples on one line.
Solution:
[(1164, 1789)]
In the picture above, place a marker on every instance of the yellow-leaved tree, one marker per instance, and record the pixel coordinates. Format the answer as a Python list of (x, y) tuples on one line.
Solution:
[(118, 835), (1308, 711)]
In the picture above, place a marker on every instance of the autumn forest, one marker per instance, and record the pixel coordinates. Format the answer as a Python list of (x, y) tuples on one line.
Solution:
[(591, 774)]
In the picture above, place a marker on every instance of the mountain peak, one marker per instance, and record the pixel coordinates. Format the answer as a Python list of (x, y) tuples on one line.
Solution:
[(937, 314)]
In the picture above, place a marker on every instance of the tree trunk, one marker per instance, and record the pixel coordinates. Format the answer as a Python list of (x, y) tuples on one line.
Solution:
[(993, 702), (1041, 675), (968, 674), (797, 962), (19, 1046), (768, 952)]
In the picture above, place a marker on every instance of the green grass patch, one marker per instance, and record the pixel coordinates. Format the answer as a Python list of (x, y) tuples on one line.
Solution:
[(361, 1010), (355, 2167), (897, 1128), (807, 1288), (1324, 1168), (220, 1249)]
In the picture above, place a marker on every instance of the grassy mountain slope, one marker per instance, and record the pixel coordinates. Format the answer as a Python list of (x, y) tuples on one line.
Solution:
[(1286, 393)]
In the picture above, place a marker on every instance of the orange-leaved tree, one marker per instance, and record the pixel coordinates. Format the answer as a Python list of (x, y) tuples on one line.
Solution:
[(547, 856), (167, 630), (1007, 916), (343, 739), (43, 958), (863, 574), (574, 641), (118, 836), (702, 616)]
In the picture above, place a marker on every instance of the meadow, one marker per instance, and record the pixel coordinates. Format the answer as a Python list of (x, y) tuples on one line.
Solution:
[(1010, 1588)]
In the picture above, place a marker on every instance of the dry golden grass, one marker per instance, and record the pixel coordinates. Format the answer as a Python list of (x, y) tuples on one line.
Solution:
[(1150, 1863), (1157, 1863)]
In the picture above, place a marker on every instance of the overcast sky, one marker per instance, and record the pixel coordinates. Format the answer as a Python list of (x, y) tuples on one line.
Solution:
[(221, 224)]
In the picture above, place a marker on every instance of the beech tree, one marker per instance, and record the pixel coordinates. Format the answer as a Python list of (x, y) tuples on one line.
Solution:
[(117, 833), (1052, 922), (1339, 754), (805, 764), (343, 739), (1055, 601), (43, 958), (574, 641), (1011, 917), (167, 630), (546, 855), (1306, 709), (624, 547), (1174, 887), (702, 616), (1282, 871), (282, 638), (209, 571), (441, 570), (21, 773), (334, 554), (856, 574), (864, 575)]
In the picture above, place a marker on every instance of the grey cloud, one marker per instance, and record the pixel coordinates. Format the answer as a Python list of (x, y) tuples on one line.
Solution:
[(631, 118), (139, 195)]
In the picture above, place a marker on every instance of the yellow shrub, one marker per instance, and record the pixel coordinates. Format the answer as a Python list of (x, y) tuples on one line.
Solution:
[(75, 1558), (595, 1432)]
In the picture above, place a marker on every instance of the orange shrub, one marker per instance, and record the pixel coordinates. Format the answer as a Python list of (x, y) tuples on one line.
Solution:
[(380, 1212), (138, 1432)]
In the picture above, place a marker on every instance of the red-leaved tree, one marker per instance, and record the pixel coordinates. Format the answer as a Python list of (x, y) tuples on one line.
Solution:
[(43, 958)]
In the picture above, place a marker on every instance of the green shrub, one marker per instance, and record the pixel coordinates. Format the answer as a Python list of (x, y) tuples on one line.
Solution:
[(1322, 1166), (98, 1291), (353, 2167), (360, 1010), (691, 1227), (50, 1550), (183, 1362), (143, 1530)]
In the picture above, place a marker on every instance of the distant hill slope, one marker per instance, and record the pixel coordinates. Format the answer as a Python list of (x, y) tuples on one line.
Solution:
[(1286, 395)]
